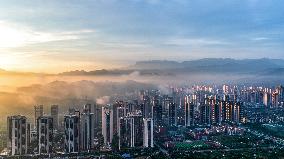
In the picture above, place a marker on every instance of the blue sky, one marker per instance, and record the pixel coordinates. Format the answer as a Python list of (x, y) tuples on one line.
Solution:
[(91, 34)]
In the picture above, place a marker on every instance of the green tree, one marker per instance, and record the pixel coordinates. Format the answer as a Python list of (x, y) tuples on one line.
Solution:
[(101, 140)]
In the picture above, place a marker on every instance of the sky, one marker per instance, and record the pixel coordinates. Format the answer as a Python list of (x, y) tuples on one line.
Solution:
[(60, 35)]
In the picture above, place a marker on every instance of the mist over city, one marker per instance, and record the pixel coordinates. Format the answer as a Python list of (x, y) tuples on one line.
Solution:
[(141, 79)]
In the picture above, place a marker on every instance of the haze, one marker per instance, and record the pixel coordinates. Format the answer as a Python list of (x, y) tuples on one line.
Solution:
[(66, 35), (41, 42)]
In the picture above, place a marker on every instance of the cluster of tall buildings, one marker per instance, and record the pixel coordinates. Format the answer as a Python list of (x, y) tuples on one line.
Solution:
[(127, 123), (269, 97), (81, 129), (216, 111), (133, 123), (21, 134), (200, 107), (119, 120)]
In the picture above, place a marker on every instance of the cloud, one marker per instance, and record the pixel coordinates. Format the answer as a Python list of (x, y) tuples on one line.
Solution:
[(13, 35), (103, 100), (195, 42), (259, 38), (125, 45)]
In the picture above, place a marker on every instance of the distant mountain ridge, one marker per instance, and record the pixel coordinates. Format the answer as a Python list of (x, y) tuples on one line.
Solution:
[(255, 63), (263, 66)]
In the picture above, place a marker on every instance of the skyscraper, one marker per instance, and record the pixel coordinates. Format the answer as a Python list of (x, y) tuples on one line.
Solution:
[(38, 113), (275, 99), (97, 116), (172, 114), (17, 135), (205, 114), (72, 133), (215, 111), (165, 109), (87, 129), (280, 91), (107, 124), (130, 131), (218, 113), (157, 111), (231, 111), (118, 109), (148, 138), (238, 112), (45, 134), (126, 134), (189, 114), (54, 115), (267, 99), (147, 107)]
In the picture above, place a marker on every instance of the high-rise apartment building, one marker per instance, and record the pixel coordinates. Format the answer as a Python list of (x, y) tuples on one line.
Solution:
[(130, 131), (148, 129), (87, 129), (45, 134), (189, 114), (38, 113), (107, 124), (172, 114), (17, 135), (54, 115), (72, 133)]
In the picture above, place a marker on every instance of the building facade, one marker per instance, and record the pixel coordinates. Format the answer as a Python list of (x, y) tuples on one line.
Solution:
[(72, 133), (38, 113), (148, 129), (87, 129), (54, 115), (130, 131), (17, 135), (45, 134), (107, 124)]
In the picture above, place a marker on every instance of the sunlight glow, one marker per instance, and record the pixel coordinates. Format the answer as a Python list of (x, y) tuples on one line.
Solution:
[(11, 37), (15, 36), (7, 61)]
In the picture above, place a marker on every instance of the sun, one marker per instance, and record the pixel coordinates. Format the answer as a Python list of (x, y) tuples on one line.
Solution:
[(11, 36)]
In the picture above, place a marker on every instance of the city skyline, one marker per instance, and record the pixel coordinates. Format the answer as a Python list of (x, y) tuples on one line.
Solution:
[(67, 35), (142, 79), (187, 121)]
